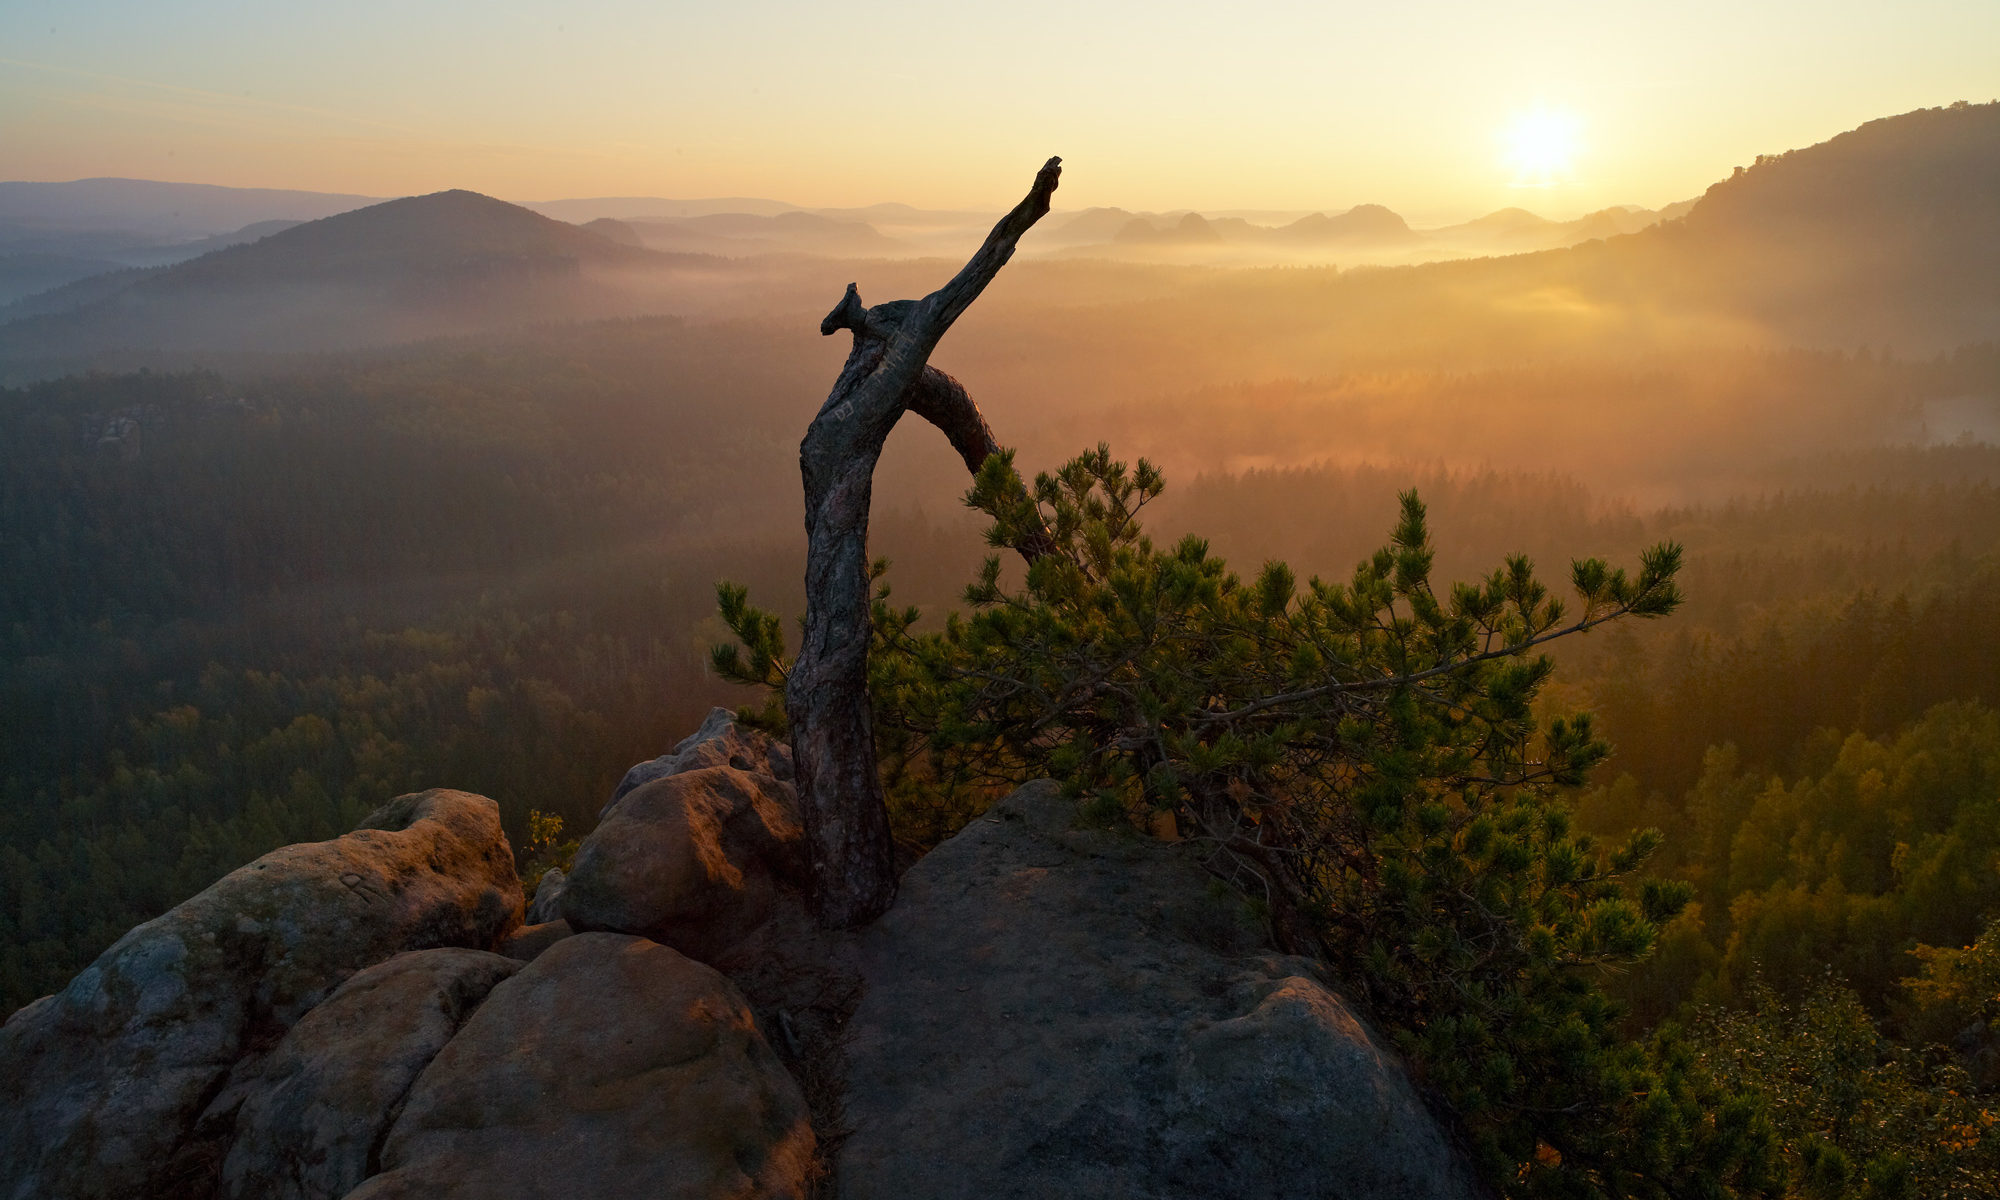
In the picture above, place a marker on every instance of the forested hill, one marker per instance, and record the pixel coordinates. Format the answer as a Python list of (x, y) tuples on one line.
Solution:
[(398, 271), (1940, 166), (1901, 213), (419, 235), (1887, 234)]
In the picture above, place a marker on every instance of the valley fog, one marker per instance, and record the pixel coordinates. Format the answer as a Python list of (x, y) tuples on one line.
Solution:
[(300, 514)]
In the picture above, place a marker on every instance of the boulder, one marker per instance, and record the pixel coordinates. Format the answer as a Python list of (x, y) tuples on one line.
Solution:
[(692, 858), (720, 742), (609, 1067), (547, 904), (317, 1106), (108, 1077), (1055, 1012), (528, 942)]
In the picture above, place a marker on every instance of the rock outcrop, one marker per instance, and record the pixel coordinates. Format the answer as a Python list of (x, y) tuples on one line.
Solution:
[(528, 942), (109, 1076), (693, 855), (1054, 1012), (318, 1106), (547, 904), (609, 1067), (720, 742), (1045, 1011)]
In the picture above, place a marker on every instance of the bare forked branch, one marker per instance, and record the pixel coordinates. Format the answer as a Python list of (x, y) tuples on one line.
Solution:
[(911, 329), (943, 306), (887, 373)]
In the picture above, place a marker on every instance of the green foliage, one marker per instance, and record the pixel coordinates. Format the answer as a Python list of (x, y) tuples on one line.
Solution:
[(1365, 760), (244, 761), (490, 565), (305, 594), (756, 658), (542, 848), (1858, 1117), (1955, 987), (1879, 847), (930, 793)]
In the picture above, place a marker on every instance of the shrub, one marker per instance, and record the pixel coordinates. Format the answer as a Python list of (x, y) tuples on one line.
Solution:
[(1363, 760)]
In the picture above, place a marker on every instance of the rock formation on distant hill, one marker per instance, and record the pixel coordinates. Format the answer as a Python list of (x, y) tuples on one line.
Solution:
[(616, 231), (450, 262), (1363, 222), (1191, 230), (1045, 1011)]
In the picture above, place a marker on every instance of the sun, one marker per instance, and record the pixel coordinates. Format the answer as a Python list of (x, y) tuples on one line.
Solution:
[(1542, 145)]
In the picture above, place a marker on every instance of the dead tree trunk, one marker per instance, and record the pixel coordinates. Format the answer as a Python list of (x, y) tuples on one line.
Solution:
[(826, 693)]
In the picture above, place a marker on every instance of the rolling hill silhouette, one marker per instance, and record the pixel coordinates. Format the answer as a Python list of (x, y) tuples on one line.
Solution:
[(1363, 222), (1887, 234), (425, 266), (1941, 165), (445, 234), (738, 234), (156, 209), (1890, 231)]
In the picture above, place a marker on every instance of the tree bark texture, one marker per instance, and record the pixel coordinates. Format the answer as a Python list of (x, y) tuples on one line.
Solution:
[(826, 695)]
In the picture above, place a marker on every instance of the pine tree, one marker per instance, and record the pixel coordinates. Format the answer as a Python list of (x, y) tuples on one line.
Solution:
[(1365, 762)]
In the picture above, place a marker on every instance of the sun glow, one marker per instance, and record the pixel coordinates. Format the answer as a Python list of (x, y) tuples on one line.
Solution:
[(1542, 144)]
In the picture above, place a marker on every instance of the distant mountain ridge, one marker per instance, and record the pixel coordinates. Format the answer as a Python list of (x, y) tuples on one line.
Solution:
[(54, 233), (1890, 232), (1362, 222), (735, 234), (182, 210), (1892, 225), (1370, 232), (1942, 161), (449, 262), (418, 235)]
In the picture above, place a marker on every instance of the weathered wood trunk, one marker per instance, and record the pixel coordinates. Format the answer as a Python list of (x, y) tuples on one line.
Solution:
[(826, 693)]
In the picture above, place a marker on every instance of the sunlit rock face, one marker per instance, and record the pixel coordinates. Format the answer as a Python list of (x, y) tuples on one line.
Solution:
[(318, 1106), (1046, 1011), (1057, 1012), (527, 943), (720, 742), (611, 1066), (692, 849), (111, 1075)]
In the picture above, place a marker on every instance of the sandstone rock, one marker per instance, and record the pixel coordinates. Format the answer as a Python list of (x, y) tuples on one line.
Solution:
[(692, 858), (318, 1105), (527, 943), (108, 1077), (609, 1067), (720, 742), (1052, 1012), (547, 904)]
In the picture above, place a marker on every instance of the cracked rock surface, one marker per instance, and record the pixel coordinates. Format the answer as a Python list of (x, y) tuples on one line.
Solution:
[(1059, 1012)]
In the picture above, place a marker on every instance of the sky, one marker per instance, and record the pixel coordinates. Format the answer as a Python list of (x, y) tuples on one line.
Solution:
[(1160, 106)]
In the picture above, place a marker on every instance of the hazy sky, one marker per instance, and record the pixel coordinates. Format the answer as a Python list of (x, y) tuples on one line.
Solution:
[(1157, 105)]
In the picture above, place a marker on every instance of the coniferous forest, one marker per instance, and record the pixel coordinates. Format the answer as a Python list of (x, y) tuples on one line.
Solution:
[(292, 595), (247, 596)]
